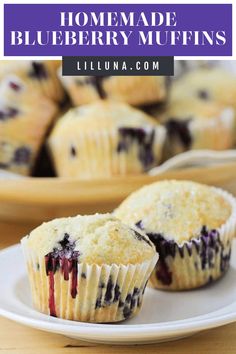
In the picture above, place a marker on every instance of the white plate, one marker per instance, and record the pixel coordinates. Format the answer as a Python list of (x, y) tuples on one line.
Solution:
[(164, 316)]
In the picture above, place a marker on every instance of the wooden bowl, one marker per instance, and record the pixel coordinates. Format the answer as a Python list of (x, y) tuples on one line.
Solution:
[(34, 200)]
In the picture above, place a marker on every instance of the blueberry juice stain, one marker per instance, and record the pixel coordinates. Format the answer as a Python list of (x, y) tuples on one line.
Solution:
[(164, 249), (65, 259)]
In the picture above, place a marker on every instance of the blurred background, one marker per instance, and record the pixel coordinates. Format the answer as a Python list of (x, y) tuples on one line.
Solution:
[(80, 144)]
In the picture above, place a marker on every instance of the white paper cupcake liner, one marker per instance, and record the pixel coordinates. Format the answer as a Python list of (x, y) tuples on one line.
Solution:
[(199, 261), (106, 293), (100, 155)]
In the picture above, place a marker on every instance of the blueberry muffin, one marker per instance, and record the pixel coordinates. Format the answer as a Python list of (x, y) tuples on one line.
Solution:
[(192, 124), (25, 116), (135, 90), (41, 74), (200, 113), (88, 268), (105, 139), (192, 226)]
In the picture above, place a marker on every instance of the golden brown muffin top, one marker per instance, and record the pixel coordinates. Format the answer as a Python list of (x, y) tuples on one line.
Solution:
[(99, 239), (207, 85), (178, 210), (101, 115)]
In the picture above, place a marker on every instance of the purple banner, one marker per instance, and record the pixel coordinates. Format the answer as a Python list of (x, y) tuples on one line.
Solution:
[(117, 30)]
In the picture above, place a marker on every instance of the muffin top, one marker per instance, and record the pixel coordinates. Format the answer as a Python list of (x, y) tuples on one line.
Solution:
[(96, 239), (101, 115), (178, 210), (41, 75), (206, 85), (195, 100), (193, 110), (135, 90), (37, 69)]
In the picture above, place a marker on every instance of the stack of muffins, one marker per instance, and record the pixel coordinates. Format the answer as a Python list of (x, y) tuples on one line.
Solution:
[(113, 125), (175, 235)]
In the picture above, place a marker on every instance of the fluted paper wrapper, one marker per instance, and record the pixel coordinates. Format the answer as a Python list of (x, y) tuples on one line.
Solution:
[(107, 293), (197, 262), (103, 153)]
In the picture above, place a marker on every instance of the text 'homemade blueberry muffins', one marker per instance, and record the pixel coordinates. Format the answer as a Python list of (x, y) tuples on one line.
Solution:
[(192, 226), (88, 268), (25, 117), (135, 90), (105, 139)]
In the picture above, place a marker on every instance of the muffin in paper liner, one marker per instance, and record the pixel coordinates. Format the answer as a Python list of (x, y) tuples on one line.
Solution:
[(195, 119), (190, 263), (64, 288), (201, 112), (196, 125), (105, 139)]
